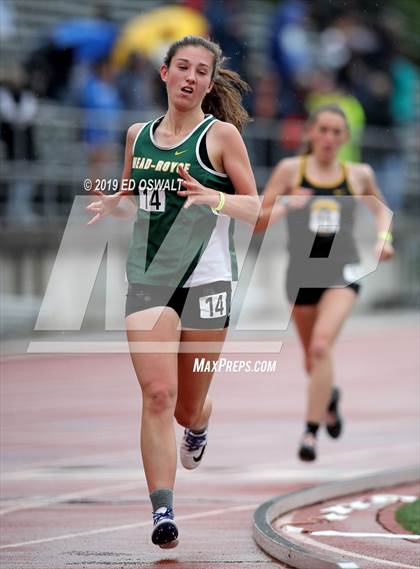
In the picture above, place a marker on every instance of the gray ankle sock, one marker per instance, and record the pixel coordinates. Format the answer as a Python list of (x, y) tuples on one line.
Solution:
[(199, 431), (162, 498)]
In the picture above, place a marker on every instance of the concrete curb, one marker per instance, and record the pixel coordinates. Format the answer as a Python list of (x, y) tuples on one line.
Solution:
[(300, 557)]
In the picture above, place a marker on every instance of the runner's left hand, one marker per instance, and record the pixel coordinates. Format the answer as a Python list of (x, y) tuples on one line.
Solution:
[(384, 250), (195, 192)]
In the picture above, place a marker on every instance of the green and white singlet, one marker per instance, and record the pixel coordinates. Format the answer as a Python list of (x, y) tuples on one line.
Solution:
[(173, 246)]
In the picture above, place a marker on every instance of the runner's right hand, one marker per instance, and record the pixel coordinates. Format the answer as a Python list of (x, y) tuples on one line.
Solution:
[(103, 206)]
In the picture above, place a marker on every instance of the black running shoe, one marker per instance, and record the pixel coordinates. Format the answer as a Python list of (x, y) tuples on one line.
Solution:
[(334, 429), (165, 531), (307, 449)]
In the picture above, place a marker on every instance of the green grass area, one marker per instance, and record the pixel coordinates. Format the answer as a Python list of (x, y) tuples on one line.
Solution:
[(408, 517)]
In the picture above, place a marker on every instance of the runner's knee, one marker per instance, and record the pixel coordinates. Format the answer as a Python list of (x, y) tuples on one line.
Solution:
[(319, 347), (158, 398)]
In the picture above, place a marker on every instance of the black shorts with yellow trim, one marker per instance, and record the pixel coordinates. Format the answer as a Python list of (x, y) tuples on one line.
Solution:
[(203, 307), (334, 277)]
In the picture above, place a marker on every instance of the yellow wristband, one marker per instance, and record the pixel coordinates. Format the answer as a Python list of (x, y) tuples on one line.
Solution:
[(220, 205), (385, 236)]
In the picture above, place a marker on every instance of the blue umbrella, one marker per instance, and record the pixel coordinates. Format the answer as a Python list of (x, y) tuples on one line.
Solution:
[(90, 39)]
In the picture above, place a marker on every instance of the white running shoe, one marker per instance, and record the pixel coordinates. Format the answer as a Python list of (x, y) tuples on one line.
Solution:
[(192, 448)]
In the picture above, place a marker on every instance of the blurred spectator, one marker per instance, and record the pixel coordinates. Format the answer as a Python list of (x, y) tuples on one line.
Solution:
[(226, 23), (99, 97), (292, 53), (7, 20), (266, 97), (360, 51), (135, 84), (227, 29), (66, 48), (405, 78), (403, 104), (49, 69), (103, 11), (265, 108), (406, 88), (18, 109)]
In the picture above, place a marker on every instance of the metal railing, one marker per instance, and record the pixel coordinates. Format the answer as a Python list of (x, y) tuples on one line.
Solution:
[(27, 250), (63, 155)]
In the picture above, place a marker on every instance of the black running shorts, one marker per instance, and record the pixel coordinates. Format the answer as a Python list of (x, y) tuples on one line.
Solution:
[(204, 307), (335, 276)]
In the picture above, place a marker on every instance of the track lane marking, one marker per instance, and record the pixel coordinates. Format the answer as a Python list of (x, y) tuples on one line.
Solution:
[(97, 531), (384, 563), (40, 502), (334, 533)]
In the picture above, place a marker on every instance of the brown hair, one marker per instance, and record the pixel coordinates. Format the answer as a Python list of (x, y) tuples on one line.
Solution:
[(331, 108), (225, 99)]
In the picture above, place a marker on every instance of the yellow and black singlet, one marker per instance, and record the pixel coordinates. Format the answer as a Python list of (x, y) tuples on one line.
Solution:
[(326, 220)]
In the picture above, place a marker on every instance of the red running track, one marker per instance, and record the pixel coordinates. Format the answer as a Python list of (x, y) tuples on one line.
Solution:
[(356, 531), (73, 492)]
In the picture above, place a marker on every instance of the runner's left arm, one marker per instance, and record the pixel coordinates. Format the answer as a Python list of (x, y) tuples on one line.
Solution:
[(375, 201), (245, 203)]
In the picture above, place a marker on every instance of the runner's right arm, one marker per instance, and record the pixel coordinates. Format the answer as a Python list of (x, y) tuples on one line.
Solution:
[(122, 204)]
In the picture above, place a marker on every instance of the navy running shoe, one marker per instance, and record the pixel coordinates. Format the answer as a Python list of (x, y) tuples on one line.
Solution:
[(165, 531)]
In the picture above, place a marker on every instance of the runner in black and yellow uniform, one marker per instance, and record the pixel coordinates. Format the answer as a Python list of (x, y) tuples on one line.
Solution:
[(325, 221), (192, 176), (319, 203)]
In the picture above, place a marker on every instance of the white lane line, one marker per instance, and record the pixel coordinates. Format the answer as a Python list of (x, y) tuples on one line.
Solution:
[(137, 476), (333, 533), (371, 452), (40, 502), (68, 462), (343, 552), (134, 478), (97, 531), (258, 474), (352, 454), (36, 470)]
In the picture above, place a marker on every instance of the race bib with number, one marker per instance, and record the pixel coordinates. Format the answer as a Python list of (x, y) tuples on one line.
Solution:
[(152, 200), (213, 306), (324, 217)]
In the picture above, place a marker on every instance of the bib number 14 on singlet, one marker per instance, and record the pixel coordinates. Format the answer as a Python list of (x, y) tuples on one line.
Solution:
[(152, 200)]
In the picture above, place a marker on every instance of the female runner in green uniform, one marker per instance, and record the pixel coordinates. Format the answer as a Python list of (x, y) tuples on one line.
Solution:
[(320, 213), (192, 176)]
